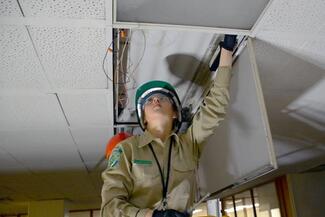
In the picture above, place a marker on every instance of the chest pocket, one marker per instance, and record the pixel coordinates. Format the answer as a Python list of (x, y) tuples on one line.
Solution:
[(144, 169), (183, 169)]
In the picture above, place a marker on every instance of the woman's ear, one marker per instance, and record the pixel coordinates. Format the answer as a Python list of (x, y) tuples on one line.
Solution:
[(174, 114), (145, 122)]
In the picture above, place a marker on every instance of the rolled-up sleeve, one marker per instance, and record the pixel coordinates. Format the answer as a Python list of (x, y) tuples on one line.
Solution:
[(211, 111), (117, 188)]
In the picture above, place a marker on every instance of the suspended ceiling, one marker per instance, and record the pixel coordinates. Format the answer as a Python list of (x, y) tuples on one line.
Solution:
[(56, 101), (229, 14)]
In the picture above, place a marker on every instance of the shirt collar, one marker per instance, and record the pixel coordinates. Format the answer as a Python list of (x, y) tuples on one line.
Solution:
[(147, 138)]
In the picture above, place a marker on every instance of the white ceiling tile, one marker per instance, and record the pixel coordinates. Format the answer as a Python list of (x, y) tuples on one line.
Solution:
[(42, 149), (88, 109), (9, 8), (30, 111), (292, 17), (19, 65), (92, 143), (295, 26), (72, 57), (87, 9)]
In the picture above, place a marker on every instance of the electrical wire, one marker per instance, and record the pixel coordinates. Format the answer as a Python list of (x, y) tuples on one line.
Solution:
[(142, 55), (127, 72), (119, 62), (104, 59)]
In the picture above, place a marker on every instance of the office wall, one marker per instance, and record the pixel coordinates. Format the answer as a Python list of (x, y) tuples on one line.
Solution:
[(308, 191)]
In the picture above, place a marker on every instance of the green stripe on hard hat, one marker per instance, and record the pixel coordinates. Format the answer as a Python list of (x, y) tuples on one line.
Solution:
[(151, 87)]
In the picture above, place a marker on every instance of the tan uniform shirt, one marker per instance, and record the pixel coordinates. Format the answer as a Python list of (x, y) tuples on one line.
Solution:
[(132, 183)]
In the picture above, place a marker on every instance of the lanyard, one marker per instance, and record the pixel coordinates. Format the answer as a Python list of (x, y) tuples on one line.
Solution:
[(164, 184)]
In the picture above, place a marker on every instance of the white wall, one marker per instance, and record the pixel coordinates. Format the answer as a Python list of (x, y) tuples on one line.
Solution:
[(308, 191)]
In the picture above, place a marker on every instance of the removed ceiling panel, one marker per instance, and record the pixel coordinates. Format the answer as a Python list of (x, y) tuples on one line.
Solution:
[(207, 13), (241, 149), (296, 27)]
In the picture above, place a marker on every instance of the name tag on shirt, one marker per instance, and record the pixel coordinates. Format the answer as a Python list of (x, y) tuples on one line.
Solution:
[(143, 162)]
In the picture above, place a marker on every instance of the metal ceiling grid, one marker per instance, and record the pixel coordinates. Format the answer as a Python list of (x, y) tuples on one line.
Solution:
[(87, 9), (72, 57), (42, 149), (9, 8), (296, 27), (20, 66)]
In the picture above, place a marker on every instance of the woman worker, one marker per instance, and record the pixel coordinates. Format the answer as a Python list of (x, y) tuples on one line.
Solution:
[(153, 174)]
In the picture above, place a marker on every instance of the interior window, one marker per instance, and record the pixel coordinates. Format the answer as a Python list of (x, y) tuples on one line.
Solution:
[(244, 205), (266, 200), (228, 207)]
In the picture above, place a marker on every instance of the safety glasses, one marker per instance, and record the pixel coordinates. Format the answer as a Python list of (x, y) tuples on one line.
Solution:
[(159, 97)]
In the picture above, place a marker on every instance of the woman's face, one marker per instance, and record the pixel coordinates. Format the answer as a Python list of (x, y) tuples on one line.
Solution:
[(158, 108)]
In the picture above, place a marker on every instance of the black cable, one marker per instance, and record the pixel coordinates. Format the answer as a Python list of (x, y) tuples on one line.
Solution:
[(164, 185)]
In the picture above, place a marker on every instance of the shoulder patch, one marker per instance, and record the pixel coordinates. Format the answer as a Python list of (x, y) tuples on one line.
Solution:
[(114, 159)]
